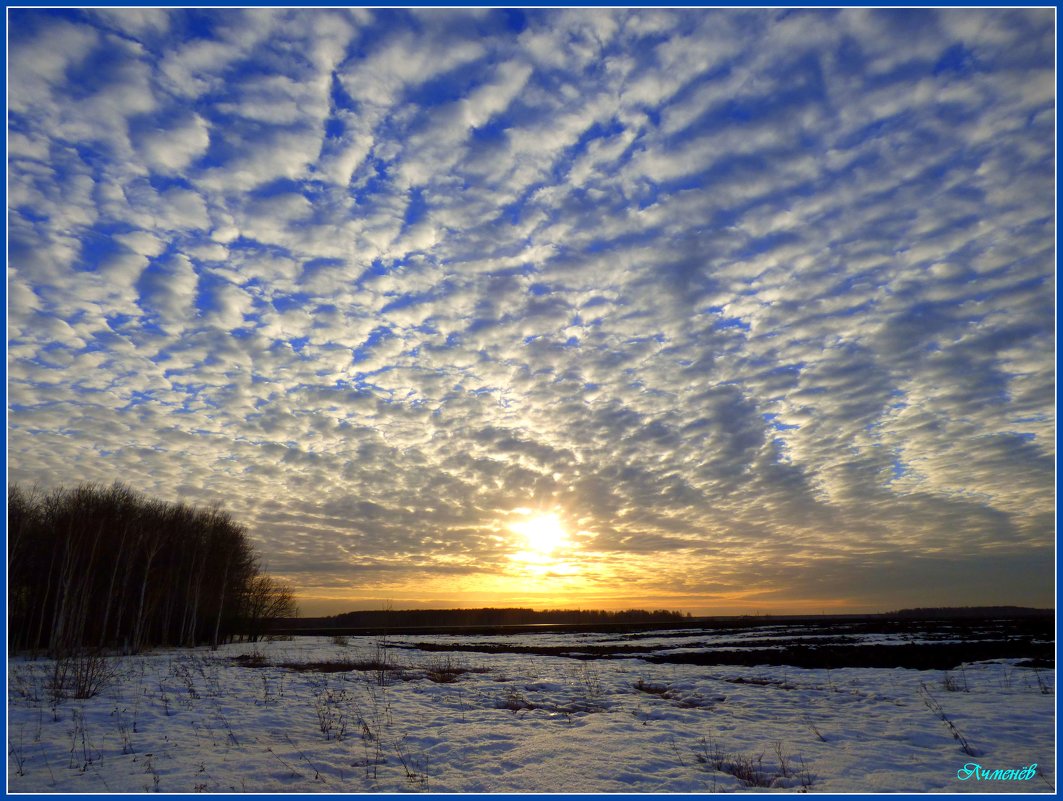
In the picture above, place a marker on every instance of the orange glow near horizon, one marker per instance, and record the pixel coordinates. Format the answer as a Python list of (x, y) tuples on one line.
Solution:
[(546, 560), (556, 591)]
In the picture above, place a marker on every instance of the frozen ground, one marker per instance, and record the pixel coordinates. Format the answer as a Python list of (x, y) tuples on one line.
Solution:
[(252, 717)]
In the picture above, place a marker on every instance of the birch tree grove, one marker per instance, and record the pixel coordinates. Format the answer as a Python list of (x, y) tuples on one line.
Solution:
[(99, 567)]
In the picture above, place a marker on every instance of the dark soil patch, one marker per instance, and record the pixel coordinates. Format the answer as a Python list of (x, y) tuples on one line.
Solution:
[(929, 656), (571, 651), (921, 656), (761, 682), (251, 660), (337, 667), (927, 645)]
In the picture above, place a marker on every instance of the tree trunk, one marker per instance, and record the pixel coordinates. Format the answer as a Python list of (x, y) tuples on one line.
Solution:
[(221, 606)]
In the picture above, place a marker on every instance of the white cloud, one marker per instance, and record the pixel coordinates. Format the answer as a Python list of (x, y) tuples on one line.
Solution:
[(170, 290), (171, 149), (40, 63), (403, 62), (181, 208), (268, 155), (137, 22), (231, 303)]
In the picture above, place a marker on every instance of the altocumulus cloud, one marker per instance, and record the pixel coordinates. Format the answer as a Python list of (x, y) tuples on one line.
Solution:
[(761, 303)]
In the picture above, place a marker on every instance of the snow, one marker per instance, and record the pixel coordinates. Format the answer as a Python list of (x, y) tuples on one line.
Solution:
[(199, 721)]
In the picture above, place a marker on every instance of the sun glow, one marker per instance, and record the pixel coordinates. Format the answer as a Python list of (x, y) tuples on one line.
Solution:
[(543, 534), (542, 549)]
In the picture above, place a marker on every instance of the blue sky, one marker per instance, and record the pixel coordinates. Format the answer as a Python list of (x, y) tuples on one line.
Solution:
[(755, 306)]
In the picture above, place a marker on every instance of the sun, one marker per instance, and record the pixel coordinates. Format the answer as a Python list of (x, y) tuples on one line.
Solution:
[(543, 533)]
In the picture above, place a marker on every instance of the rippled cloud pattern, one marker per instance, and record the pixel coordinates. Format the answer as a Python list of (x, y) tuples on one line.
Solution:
[(759, 303)]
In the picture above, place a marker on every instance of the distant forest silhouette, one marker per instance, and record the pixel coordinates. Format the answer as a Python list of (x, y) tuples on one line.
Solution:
[(412, 618), (932, 612), (96, 567)]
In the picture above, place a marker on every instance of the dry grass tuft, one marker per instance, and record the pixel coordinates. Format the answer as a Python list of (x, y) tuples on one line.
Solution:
[(652, 689)]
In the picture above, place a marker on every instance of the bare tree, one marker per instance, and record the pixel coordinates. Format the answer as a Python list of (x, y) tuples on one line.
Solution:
[(95, 567), (267, 600)]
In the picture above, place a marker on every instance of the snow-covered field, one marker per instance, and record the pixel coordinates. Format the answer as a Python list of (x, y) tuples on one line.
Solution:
[(251, 717)]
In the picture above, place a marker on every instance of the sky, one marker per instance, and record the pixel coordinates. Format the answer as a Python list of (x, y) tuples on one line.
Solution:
[(724, 311)]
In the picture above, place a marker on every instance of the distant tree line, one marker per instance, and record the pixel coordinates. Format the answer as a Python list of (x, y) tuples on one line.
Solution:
[(413, 618), (934, 612), (96, 567)]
